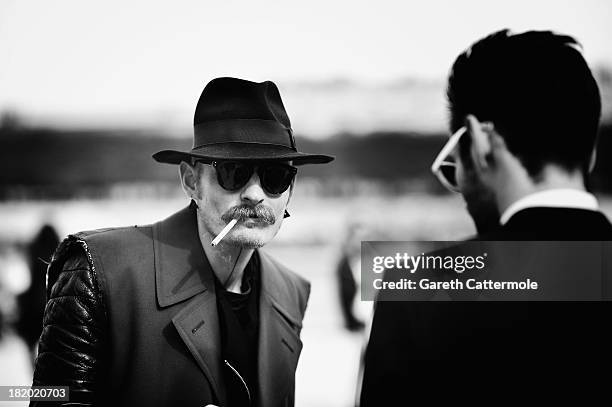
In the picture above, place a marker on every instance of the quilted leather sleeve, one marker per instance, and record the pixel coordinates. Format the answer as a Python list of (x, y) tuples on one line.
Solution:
[(74, 336)]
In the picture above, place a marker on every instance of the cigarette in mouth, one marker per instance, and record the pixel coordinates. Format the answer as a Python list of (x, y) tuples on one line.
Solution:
[(224, 232)]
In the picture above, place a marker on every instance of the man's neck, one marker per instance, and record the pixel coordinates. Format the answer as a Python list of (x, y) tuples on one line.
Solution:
[(552, 177), (227, 261)]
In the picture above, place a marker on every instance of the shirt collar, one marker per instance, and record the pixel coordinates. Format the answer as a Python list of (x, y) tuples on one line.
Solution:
[(552, 198)]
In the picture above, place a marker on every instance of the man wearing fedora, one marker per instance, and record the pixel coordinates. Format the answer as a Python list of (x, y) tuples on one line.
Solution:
[(157, 315)]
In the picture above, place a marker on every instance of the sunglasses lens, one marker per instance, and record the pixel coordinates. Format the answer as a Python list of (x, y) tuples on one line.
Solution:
[(276, 178), (233, 175), (448, 171)]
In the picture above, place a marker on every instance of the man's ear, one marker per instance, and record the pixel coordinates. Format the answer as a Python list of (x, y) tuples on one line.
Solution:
[(189, 177), (480, 146)]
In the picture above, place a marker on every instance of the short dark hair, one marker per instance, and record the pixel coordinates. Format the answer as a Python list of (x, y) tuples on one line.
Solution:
[(538, 91)]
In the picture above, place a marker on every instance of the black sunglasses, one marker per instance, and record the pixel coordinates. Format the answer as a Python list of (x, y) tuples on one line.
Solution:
[(275, 177)]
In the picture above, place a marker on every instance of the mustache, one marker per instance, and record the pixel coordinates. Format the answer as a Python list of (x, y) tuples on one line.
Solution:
[(244, 212)]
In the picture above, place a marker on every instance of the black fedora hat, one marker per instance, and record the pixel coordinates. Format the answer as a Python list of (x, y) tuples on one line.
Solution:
[(241, 120)]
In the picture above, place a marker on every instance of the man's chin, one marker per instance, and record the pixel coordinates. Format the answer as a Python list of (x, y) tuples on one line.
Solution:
[(249, 239), (248, 243)]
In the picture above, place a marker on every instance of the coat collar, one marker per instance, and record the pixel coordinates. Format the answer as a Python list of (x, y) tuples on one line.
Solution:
[(181, 267), (182, 271)]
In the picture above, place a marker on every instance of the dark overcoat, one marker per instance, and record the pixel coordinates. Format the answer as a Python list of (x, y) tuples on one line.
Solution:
[(161, 336)]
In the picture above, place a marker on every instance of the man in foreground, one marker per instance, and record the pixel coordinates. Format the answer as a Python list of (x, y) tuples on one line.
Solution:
[(525, 110), (188, 311)]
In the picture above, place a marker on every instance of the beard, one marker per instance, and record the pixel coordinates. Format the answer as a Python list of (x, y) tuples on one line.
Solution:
[(246, 242)]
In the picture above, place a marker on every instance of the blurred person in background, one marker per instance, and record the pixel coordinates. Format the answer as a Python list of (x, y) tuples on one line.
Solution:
[(31, 303), (15, 356), (525, 112), (348, 275), (158, 315)]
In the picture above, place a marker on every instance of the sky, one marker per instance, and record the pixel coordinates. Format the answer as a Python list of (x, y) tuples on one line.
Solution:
[(145, 63)]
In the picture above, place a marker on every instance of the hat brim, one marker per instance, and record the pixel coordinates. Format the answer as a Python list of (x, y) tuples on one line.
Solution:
[(242, 151)]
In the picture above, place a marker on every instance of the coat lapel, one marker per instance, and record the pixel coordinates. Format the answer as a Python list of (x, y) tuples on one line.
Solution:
[(182, 271), (279, 342), (198, 326)]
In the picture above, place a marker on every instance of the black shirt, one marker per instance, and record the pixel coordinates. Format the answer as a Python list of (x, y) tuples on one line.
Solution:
[(239, 324)]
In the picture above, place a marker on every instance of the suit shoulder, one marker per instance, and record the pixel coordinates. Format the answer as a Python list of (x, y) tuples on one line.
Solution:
[(113, 233), (115, 237), (117, 252)]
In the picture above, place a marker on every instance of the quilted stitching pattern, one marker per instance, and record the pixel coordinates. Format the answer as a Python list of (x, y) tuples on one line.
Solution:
[(72, 342)]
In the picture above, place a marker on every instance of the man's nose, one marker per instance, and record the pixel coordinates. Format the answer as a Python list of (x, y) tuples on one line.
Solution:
[(252, 191)]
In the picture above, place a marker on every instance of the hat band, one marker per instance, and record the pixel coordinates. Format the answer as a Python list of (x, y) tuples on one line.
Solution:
[(255, 131)]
